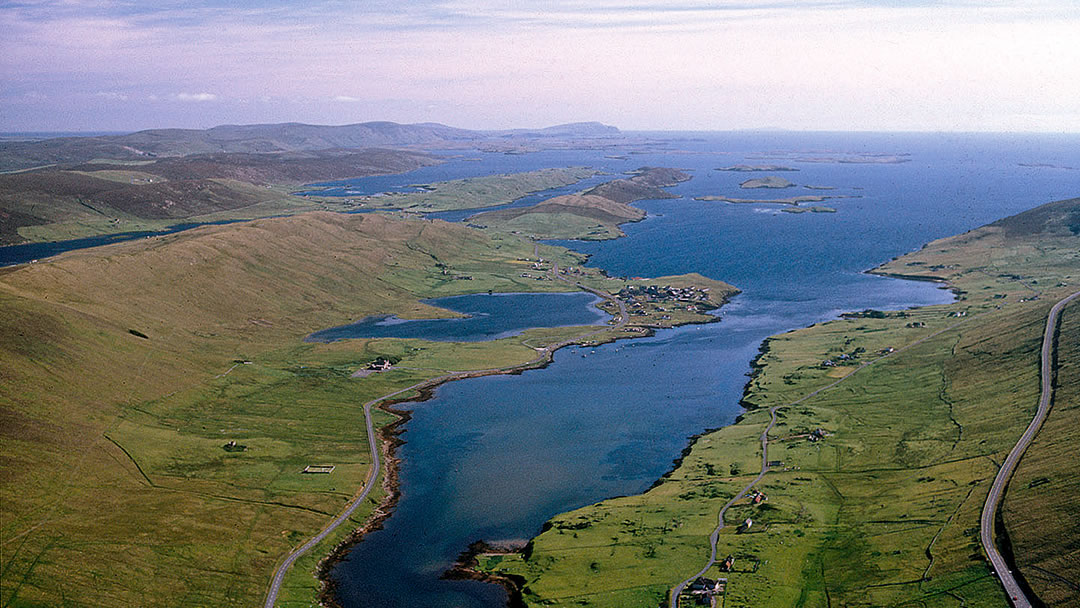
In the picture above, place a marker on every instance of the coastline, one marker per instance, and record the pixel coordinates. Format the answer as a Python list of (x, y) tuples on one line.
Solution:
[(389, 441), (466, 568), (467, 565)]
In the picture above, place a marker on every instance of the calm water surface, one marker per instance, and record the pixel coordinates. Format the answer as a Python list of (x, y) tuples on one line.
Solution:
[(487, 317)]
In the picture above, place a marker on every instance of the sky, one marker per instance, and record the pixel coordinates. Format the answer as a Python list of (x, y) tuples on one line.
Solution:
[(884, 65)]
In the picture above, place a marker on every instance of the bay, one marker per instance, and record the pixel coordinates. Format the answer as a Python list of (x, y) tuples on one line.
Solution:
[(486, 317)]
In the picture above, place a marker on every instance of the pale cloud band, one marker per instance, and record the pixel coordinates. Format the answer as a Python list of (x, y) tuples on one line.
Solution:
[(195, 97), (816, 64)]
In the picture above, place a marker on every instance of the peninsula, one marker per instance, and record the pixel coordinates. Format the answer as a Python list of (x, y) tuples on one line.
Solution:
[(883, 431), (594, 214)]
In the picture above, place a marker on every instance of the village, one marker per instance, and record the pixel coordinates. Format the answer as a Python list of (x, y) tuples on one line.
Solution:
[(665, 306)]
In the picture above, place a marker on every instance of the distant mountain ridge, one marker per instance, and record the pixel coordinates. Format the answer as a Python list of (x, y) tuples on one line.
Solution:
[(262, 139)]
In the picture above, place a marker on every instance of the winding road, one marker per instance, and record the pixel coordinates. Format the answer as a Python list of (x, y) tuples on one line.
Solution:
[(545, 354), (993, 499)]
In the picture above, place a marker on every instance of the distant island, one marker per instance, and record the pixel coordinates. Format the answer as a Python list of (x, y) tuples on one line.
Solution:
[(791, 200), (843, 158), (814, 209), (771, 181), (754, 168), (1047, 166)]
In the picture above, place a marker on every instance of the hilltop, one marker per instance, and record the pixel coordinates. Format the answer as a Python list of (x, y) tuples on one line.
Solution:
[(262, 139)]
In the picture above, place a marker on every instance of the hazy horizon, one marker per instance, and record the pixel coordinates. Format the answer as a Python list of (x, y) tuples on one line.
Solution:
[(101, 133), (641, 65)]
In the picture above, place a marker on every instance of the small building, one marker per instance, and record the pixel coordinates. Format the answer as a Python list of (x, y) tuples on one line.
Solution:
[(746, 525), (318, 469), (729, 563), (380, 365)]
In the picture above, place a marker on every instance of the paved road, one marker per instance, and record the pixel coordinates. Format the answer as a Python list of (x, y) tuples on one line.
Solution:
[(986, 526), (373, 442), (715, 536), (369, 482)]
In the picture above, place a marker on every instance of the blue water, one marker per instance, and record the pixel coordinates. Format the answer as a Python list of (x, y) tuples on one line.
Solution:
[(493, 458), (488, 317)]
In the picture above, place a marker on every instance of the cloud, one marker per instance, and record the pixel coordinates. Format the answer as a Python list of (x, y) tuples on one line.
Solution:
[(195, 97), (840, 64)]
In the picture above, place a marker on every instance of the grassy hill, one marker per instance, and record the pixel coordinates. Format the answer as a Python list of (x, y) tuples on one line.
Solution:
[(884, 509), (101, 198), (159, 405), (286, 168), (264, 139), (249, 139), (126, 369)]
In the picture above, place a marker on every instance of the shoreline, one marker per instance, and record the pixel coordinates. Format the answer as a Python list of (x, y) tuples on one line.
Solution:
[(389, 440), (466, 565), (465, 569)]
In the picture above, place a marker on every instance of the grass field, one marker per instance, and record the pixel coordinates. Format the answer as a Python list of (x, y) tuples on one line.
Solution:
[(884, 510), (128, 370)]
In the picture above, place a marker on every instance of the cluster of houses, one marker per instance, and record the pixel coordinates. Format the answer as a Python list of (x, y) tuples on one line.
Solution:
[(843, 358), (692, 299), (704, 591), (541, 277)]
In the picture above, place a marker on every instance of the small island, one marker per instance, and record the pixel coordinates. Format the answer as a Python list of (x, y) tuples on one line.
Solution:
[(754, 168), (771, 181), (814, 209), (791, 200)]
